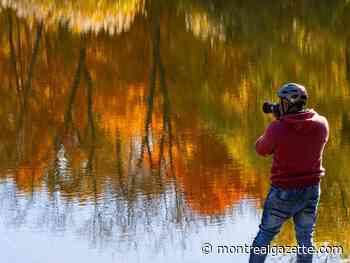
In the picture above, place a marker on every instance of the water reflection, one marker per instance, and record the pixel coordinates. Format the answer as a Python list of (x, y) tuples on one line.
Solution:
[(113, 17), (140, 134)]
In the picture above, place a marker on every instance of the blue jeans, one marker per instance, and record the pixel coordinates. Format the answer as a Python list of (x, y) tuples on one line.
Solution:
[(280, 205)]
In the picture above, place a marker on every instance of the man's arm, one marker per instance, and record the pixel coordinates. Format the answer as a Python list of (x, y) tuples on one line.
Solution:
[(266, 143), (326, 130)]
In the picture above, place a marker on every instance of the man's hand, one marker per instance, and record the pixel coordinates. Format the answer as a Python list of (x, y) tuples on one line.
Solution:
[(277, 112)]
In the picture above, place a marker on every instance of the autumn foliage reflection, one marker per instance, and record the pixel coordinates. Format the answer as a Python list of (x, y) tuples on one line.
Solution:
[(167, 107)]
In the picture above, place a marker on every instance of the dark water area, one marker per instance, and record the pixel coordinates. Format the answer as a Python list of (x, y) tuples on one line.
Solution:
[(128, 127)]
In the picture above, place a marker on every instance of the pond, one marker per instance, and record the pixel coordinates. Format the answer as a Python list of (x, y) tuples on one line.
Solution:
[(128, 126)]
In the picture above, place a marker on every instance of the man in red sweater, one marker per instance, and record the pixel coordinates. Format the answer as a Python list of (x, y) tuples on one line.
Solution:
[(296, 139)]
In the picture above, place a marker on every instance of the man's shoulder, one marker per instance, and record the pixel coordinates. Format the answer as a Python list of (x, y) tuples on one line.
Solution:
[(322, 120), (321, 124)]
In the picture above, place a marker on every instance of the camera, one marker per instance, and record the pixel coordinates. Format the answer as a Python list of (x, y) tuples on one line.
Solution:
[(274, 108)]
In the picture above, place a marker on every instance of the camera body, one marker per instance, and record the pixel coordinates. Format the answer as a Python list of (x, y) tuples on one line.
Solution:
[(274, 108)]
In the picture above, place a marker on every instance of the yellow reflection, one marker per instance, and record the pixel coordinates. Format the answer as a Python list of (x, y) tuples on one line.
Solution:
[(201, 26), (81, 16)]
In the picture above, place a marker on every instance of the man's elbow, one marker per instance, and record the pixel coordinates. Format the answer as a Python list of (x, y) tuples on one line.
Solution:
[(262, 151)]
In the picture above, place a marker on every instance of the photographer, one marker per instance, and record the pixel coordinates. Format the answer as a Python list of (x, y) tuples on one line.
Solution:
[(296, 139)]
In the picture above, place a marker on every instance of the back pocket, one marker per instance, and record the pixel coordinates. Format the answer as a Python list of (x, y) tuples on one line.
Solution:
[(287, 195)]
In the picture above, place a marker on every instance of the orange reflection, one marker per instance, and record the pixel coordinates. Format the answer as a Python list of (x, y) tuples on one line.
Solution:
[(210, 178)]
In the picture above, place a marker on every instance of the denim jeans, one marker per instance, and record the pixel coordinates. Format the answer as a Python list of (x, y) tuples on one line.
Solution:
[(280, 205)]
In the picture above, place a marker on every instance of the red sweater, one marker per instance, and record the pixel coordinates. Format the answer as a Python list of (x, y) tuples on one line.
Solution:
[(296, 142)]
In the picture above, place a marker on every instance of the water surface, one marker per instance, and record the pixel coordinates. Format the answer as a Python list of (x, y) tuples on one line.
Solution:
[(127, 127)]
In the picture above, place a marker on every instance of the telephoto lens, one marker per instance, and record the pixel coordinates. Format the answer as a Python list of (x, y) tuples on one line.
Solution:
[(268, 107), (272, 108)]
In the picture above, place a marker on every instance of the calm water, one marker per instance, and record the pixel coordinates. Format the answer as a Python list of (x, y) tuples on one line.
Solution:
[(127, 127)]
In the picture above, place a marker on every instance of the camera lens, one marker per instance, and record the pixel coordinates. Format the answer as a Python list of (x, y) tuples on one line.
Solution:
[(267, 107)]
